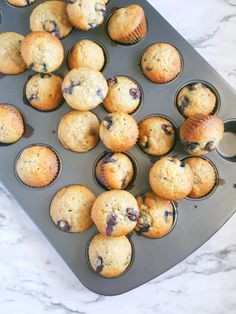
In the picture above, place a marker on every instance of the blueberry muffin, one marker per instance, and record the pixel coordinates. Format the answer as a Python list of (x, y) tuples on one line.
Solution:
[(20, 3), (201, 134), (156, 135), (171, 178), (109, 256), (156, 216), (11, 124), (86, 53), (70, 208), (37, 166), (124, 95), (196, 98), (204, 176), (115, 213), (79, 131), (114, 171), (118, 131), (127, 25), (11, 61), (51, 17), (84, 88), (85, 14), (42, 52), (43, 91), (161, 63)]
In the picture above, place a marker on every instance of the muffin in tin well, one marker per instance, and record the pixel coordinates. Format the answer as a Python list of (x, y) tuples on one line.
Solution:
[(37, 166), (109, 256), (156, 215), (43, 91), (115, 213), (70, 208), (114, 171), (20, 3), (201, 134), (11, 124), (86, 53), (124, 95), (127, 25), (157, 135), (79, 131), (196, 98), (161, 63)]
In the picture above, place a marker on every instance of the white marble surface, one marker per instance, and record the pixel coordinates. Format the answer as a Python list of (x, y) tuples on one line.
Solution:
[(34, 279)]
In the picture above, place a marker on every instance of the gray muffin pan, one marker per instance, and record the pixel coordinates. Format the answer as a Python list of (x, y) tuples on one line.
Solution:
[(197, 220)]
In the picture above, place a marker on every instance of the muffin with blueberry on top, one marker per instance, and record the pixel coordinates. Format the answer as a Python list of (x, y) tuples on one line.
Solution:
[(201, 134), (20, 3), (124, 95), (115, 213), (51, 17), (43, 91), (156, 216), (114, 171), (118, 131), (85, 14), (171, 179), (84, 88), (157, 135), (194, 99), (109, 256)]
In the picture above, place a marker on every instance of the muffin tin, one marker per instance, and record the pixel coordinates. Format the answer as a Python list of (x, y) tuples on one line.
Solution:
[(197, 221)]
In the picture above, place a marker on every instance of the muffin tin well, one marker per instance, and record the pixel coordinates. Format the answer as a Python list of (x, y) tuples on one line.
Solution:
[(197, 220)]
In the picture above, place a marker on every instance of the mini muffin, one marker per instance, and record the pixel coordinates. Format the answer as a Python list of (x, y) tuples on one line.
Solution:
[(86, 53), (114, 171), (156, 135), (20, 3), (115, 213), (51, 16), (79, 131), (127, 25), (11, 124), (204, 176), (43, 91), (161, 63), (124, 95), (118, 131), (42, 52), (37, 166), (201, 134), (196, 98), (85, 14), (84, 88), (11, 61), (171, 179), (156, 216), (70, 208), (109, 256)]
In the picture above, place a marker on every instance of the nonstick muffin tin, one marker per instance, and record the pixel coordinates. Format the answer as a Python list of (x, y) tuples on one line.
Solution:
[(197, 220)]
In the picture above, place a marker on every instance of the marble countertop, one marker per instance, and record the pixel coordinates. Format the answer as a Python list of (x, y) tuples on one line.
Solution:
[(33, 278)]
